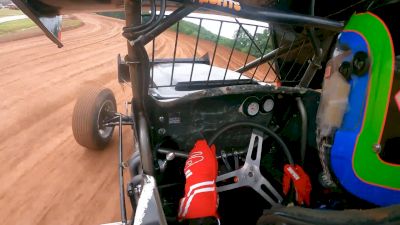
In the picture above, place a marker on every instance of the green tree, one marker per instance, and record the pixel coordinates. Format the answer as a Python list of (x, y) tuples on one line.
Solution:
[(260, 41), (243, 42)]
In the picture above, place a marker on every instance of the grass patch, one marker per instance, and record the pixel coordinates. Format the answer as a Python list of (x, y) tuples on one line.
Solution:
[(242, 44), (10, 12), (71, 23), (24, 24), (16, 25), (191, 29)]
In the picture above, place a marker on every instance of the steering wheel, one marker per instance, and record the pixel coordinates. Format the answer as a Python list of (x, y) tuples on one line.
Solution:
[(249, 174)]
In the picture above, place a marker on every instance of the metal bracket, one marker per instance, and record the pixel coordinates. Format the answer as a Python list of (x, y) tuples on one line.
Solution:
[(224, 158)]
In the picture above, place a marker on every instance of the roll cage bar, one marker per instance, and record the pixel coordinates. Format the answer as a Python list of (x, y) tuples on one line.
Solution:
[(139, 35)]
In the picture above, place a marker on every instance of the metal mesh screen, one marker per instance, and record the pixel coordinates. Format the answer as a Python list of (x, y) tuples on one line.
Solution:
[(211, 51)]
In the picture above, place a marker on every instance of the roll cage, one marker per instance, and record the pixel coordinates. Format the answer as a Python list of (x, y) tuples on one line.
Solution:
[(141, 66)]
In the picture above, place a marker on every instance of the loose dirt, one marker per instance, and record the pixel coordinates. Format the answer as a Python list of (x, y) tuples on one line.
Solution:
[(45, 176)]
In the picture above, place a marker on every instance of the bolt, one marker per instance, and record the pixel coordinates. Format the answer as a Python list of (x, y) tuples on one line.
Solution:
[(161, 119), (251, 174), (161, 131), (124, 165), (346, 70), (360, 63), (170, 156), (377, 148)]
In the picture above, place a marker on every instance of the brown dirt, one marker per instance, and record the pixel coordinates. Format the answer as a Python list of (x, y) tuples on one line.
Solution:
[(45, 176)]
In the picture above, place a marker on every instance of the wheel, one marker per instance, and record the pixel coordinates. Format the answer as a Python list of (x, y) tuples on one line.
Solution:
[(249, 175), (91, 110)]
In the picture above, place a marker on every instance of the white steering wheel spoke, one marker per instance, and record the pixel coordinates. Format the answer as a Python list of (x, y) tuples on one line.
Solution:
[(234, 180), (253, 156), (249, 174), (263, 185)]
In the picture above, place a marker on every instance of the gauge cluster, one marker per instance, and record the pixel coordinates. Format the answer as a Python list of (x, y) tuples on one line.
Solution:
[(201, 114), (252, 106)]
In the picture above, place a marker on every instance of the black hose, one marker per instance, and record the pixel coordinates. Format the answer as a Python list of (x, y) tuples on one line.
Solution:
[(262, 128), (153, 10), (134, 164), (177, 15), (311, 33), (303, 114), (143, 31)]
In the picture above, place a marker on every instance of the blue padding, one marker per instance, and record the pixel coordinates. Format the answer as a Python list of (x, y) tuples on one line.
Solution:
[(346, 137), (341, 163)]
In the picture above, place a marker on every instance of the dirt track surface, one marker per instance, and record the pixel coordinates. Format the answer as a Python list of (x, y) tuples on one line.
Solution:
[(45, 176)]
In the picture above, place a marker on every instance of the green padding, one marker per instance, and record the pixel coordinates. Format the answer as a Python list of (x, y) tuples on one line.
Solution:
[(367, 164)]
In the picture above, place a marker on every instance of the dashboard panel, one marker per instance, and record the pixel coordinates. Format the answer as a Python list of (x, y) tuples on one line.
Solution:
[(178, 123)]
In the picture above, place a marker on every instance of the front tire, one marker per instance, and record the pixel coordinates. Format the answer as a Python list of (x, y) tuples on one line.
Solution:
[(91, 110)]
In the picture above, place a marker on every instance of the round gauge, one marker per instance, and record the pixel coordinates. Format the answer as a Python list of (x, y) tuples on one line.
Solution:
[(268, 105), (253, 108), (250, 106)]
